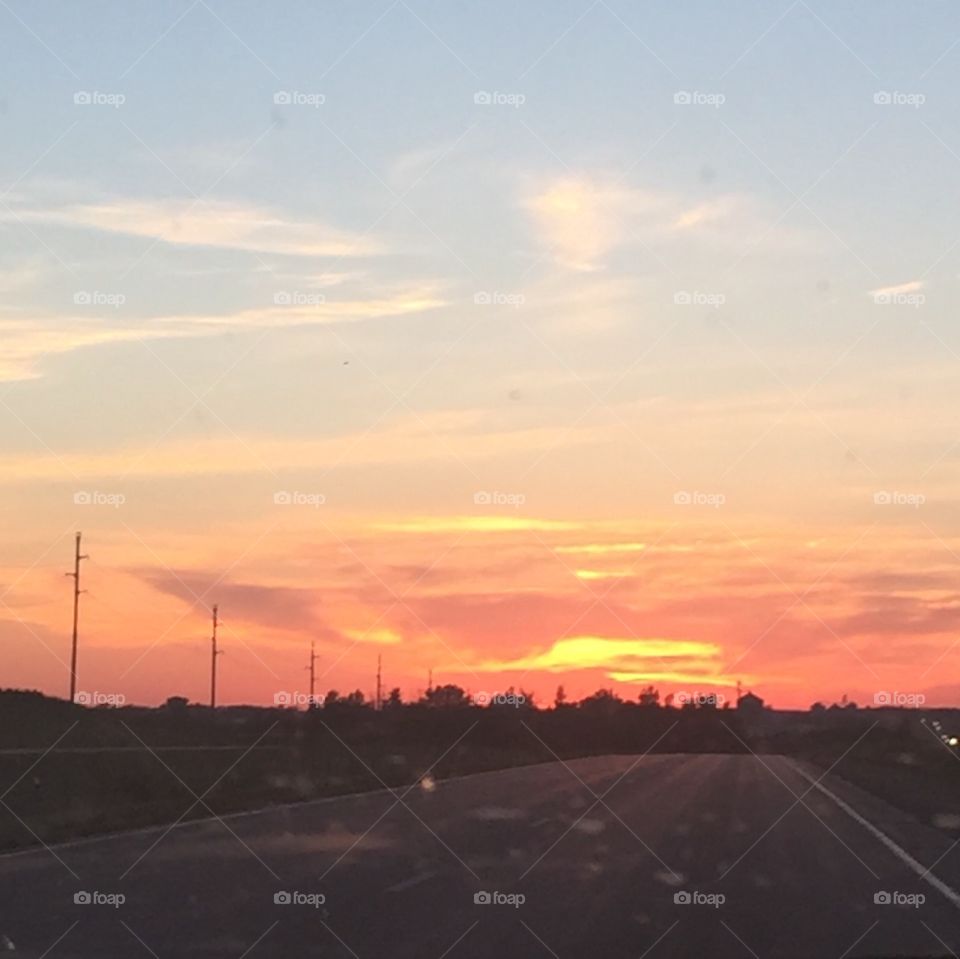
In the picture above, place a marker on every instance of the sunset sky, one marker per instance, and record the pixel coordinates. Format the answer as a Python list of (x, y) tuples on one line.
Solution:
[(537, 344)]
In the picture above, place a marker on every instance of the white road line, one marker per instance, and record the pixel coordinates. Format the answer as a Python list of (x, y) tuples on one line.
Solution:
[(896, 849), (413, 881)]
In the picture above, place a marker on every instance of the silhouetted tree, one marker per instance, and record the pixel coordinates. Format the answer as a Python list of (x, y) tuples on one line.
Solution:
[(560, 698), (394, 699), (649, 696), (446, 696)]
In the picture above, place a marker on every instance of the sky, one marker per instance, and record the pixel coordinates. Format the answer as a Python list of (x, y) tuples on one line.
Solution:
[(573, 343)]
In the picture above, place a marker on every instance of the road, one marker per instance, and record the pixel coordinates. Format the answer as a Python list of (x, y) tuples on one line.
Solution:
[(585, 859)]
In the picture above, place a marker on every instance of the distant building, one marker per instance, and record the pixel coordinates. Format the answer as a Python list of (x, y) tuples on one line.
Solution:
[(750, 704)]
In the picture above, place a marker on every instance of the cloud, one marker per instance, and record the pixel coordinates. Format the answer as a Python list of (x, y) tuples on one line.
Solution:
[(582, 220), (887, 291), (475, 524), (27, 342), (210, 223), (622, 656), (416, 440)]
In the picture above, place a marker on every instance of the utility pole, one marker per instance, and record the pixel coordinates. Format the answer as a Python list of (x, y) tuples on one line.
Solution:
[(379, 699), (214, 653), (76, 616), (313, 658)]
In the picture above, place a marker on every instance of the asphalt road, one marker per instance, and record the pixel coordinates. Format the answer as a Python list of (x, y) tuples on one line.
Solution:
[(598, 850)]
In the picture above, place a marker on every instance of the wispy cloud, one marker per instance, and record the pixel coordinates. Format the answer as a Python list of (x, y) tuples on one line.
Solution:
[(210, 223)]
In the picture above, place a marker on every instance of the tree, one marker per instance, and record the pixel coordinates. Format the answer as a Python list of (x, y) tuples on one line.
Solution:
[(649, 696), (394, 699), (356, 698), (446, 696), (603, 700), (331, 699), (560, 699)]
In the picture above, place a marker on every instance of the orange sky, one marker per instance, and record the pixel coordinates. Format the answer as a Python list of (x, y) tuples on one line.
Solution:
[(489, 599)]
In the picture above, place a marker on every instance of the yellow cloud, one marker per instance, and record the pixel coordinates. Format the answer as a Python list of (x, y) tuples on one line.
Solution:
[(593, 652), (603, 573), (601, 549), (385, 637)]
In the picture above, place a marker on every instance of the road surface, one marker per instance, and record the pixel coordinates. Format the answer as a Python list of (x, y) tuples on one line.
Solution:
[(660, 856)]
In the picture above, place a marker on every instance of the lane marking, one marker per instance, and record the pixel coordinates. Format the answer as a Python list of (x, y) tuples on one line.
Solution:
[(901, 854), (413, 881)]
